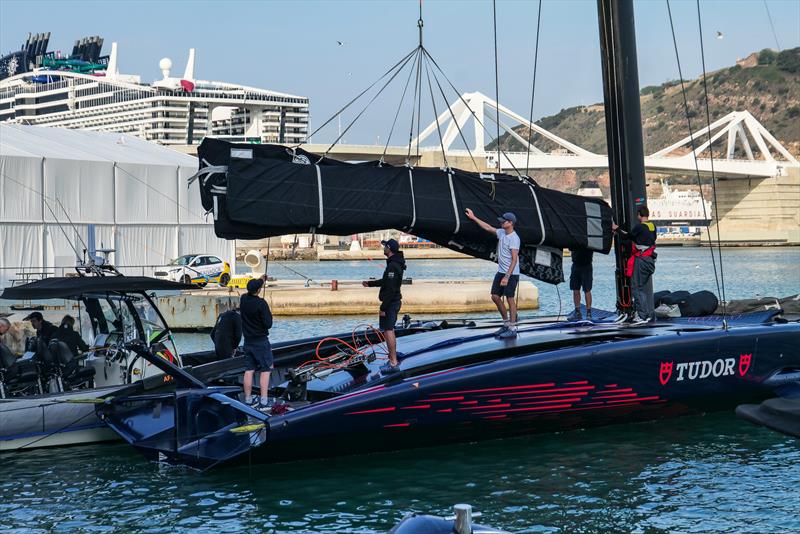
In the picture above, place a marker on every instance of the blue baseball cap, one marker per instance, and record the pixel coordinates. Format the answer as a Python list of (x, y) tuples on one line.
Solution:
[(508, 216), (393, 245)]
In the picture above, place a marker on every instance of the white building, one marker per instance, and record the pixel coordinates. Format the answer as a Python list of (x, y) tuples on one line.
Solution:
[(134, 192), (173, 110)]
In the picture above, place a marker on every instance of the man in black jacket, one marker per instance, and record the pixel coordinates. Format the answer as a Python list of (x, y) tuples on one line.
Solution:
[(45, 330), (256, 322), (390, 297), (227, 333)]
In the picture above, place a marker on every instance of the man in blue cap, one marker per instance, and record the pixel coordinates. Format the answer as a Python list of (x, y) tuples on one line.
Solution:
[(390, 297), (507, 277), (256, 322)]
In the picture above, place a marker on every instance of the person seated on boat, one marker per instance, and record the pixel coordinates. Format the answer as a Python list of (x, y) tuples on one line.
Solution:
[(45, 330), (507, 277), (227, 333), (391, 298), (580, 277), (641, 264), (66, 333), (256, 322), (5, 326)]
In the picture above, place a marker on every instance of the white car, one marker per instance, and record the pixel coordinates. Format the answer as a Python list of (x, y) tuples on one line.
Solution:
[(198, 269)]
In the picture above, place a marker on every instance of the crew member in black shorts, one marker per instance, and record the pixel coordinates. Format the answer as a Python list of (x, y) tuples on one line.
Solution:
[(581, 278), (390, 297), (256, 322)]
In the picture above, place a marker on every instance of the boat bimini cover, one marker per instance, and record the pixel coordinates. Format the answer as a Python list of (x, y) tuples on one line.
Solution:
[(258, 191)]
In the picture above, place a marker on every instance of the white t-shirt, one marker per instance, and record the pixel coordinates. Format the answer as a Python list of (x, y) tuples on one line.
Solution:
[(505, 244)]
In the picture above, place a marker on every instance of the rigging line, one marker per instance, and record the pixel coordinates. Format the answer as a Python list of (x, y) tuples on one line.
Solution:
[(533, 88), (358, 96), (452, 115), (47, 204), (396, 72), (420, 25), (45, 198), (436, 114), (413, 110), (400, 105), (496, 81), (711, 156), (419, 96), (691, 140), (148, 186), (771, 25), (461, 97), (72, 224)]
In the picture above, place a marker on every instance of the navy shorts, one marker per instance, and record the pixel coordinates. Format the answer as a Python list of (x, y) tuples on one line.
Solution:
[(509, 290), (257, 356), (580, 277), (387, 322)]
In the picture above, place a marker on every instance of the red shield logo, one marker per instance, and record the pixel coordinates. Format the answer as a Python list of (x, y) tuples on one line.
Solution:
[(744, 363), (665, 373)]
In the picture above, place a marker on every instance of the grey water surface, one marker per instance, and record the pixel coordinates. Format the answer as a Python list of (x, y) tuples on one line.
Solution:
[(711, 473)]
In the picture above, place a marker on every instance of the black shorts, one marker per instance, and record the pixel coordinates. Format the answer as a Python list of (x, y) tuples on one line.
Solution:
[(387, 321), (509, 290), (257, 356), (580, 277)]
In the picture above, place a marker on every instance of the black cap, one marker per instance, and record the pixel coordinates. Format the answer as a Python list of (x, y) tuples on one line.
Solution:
[(33, 315), (254, 285), (393, 245)]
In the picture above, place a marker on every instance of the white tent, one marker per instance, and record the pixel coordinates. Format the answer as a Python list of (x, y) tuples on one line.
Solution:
[(55, 181)]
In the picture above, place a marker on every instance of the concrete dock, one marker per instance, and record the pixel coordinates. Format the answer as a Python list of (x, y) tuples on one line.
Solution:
[(199, 309)]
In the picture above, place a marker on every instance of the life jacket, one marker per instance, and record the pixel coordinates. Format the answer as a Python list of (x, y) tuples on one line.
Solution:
[(636, 252)]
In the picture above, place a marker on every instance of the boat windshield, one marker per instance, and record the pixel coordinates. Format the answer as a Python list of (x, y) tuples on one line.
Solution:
[(155, 329), (183, 260)]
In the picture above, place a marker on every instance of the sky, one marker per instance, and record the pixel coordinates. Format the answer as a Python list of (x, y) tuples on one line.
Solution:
[(291, 46)]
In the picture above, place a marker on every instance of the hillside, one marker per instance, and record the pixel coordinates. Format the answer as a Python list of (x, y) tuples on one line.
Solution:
[(766, 83)]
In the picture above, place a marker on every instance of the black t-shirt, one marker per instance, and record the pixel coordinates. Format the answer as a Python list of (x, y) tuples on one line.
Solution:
[(582, 257)]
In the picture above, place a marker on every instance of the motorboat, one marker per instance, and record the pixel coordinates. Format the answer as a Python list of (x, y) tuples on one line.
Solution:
[(47, 394)]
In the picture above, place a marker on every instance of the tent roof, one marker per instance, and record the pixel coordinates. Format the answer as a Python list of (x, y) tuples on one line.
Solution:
[(60, 143), (75, 286)]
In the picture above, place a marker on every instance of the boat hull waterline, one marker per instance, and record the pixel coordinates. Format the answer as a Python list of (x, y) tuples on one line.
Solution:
[(544, 381)]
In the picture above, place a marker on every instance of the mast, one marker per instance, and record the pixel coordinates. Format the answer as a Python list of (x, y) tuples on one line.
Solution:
[(623, 126)]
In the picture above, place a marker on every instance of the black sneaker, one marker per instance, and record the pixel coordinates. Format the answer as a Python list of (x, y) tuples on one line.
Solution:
[(575, 316), (388, 368), (588, 316), (509, 333), (500, 331)]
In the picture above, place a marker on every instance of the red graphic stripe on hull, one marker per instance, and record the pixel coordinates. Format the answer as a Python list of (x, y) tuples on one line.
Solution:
[(538, 408), (579, 383), (509, 388), (417, 407), (442, 399), (552, 390), (397, 425), (376, 410)]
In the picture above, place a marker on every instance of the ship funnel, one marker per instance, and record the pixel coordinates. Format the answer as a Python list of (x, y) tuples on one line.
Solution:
[(253, 259), (188, 74), (112, 69)]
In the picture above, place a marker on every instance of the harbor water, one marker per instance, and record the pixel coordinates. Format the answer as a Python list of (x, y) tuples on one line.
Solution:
[(711, 473)]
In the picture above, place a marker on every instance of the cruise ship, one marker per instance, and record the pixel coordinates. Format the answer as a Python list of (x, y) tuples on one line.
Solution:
[(86, 90)]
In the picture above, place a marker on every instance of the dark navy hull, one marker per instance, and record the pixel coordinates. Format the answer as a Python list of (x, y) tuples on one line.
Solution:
[(465, 385)]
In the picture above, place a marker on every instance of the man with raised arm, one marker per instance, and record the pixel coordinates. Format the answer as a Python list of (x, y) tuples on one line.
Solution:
[(507, 277)]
